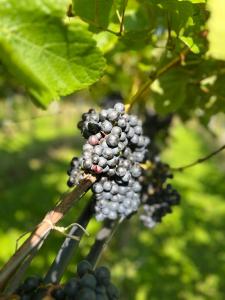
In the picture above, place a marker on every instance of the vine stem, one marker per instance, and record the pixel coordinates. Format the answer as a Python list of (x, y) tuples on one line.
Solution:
[(122, 17), (15, 280), (67, 248), (102, 239), (43, 229), (143, 88), (199, 161)]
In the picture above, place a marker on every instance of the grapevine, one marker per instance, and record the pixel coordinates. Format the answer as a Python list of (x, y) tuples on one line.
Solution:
[(143, 81)]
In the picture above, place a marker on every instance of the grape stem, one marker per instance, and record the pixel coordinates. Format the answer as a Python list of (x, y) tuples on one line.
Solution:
[(69, 245), (102, 239), (198, 161), (144, 88), (15, 280), (122, 17), (43, 229)]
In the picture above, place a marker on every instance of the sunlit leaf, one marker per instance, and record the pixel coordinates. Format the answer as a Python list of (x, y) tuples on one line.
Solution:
[(94, 12), (50, 58)]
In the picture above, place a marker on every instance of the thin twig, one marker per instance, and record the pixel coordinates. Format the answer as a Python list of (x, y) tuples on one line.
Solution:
[(122, 17), (43, 229), (68, 247), (102, 239), (199, 161), (143, 88)]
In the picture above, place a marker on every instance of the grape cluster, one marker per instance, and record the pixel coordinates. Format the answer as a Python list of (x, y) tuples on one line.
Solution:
[(158, 197), (31, 288), (159, 204), (89, 284), (114, 149)]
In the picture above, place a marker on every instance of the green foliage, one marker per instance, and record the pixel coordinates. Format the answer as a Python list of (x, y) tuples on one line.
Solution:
[(94, 12), (170, 93), (51, 58), (137, 37)]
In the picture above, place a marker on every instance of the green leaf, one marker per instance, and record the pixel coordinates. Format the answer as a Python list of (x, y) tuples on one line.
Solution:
[(50, 58), (170, 91), (94, 12), (188, 41), (217, 29)]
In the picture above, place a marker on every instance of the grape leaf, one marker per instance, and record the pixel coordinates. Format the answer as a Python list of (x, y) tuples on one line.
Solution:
[(50, 58), (169, 92), (190, 43), (217, 29), (94, 12)]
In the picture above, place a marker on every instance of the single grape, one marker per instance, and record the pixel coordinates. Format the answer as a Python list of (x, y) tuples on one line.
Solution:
[(121, 171), (106, 126), (87, 163), (88, 280), (112, 140), (103, 115), (95, 159), (87, 294), (31, 283), (112, 115), (136, 171), (130, 133), (133, 120), (58, 294), (102, 275), (93, 140), (122, 123), (134, 140), (83, 267), (102, 162), (112, 292), (116, 130), (107, 153), (112, 215), (98, 150), (97, 187), (119, 107), (107, 186)]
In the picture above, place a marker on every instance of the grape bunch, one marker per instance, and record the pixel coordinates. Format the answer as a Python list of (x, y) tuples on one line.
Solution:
[(114, 149), (89, 284), (158, 205), (158, 197), (31, 288)]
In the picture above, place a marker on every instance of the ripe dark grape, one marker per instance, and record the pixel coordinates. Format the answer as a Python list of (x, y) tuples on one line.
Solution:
[(83, 268), (58, 294), (102, 275)]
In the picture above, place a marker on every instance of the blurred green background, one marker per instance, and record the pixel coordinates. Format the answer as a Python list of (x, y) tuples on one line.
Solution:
[(182, 258)]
